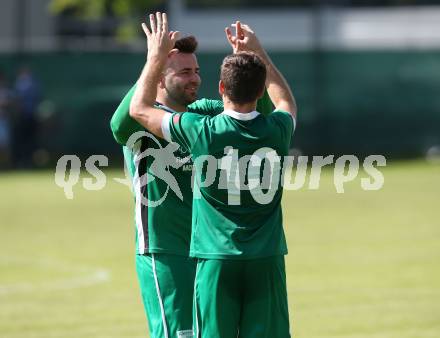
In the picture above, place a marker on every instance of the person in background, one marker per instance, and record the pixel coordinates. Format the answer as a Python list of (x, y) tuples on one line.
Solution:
[(6, 103), (27, 92)]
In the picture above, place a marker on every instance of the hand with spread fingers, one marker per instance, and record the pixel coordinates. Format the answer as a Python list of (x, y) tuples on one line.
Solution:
[(159, 39), (244, 39)]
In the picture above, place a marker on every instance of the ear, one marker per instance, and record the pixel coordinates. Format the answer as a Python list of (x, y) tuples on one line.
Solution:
[(173, 52), (261, 93), (221, 88), (161, 83)]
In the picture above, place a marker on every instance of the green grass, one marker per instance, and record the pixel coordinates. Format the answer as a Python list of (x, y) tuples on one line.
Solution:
[(360, 264)]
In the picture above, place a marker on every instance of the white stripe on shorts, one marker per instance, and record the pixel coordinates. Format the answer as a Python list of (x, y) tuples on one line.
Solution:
[(162, 310), (196, 333)]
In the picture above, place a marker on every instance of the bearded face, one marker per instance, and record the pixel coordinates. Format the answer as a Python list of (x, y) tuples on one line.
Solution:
[(181, 79)]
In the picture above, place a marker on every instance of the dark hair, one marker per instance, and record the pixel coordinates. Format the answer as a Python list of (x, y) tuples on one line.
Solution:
[(187, 45), (244, 76)]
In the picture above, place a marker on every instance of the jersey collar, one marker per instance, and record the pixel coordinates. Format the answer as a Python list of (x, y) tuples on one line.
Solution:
[(240, 116), (163, 107)]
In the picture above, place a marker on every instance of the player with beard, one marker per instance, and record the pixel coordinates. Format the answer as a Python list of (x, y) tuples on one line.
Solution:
[(162, 218)]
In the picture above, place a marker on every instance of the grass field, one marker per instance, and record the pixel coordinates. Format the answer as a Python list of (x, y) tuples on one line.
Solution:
[(361, 264)]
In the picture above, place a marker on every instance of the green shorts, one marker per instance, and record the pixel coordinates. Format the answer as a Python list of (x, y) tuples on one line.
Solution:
[(167, 285), (241, 298)]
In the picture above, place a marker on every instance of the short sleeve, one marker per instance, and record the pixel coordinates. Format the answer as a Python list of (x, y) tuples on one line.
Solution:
[(285, 121), (185, 128), (121, 124), (264, 104), (206, 107)]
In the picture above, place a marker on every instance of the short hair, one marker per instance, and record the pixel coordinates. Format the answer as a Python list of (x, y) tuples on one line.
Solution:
[(187, 45), (244, 76)]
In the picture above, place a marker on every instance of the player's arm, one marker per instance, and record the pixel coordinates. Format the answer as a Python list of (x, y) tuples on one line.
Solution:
[(121, 124), (160, 43), (277, 87)]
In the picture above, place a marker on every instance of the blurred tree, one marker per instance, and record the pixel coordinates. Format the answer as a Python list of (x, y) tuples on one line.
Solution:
[(119, 18)]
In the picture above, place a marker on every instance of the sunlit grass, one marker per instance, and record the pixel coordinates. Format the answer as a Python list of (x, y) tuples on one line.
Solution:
[(360, 264)]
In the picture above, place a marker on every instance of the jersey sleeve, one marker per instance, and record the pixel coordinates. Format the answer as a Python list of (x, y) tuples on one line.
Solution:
[(264, 104), (206, 107), (185, 129), (285, 121), (121, 124)]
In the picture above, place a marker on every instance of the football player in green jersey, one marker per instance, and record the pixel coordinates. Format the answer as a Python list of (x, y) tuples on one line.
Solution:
[(163, 206), (237, 231)]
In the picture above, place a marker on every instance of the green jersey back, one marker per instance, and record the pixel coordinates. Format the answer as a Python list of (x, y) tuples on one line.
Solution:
[(237, 191)]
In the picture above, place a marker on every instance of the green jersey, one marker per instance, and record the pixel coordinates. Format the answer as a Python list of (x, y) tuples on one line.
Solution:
[(162, 214), (237, 214)]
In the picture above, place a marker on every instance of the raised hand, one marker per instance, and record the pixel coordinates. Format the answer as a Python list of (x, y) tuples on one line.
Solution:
[(244, 39), (159, 39)]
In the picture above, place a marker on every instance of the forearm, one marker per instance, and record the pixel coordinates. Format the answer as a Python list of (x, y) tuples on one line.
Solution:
[(142, 104), (277, 86), (146, 88)]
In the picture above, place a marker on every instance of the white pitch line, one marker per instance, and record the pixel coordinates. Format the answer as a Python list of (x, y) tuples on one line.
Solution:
[(84, 276)]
